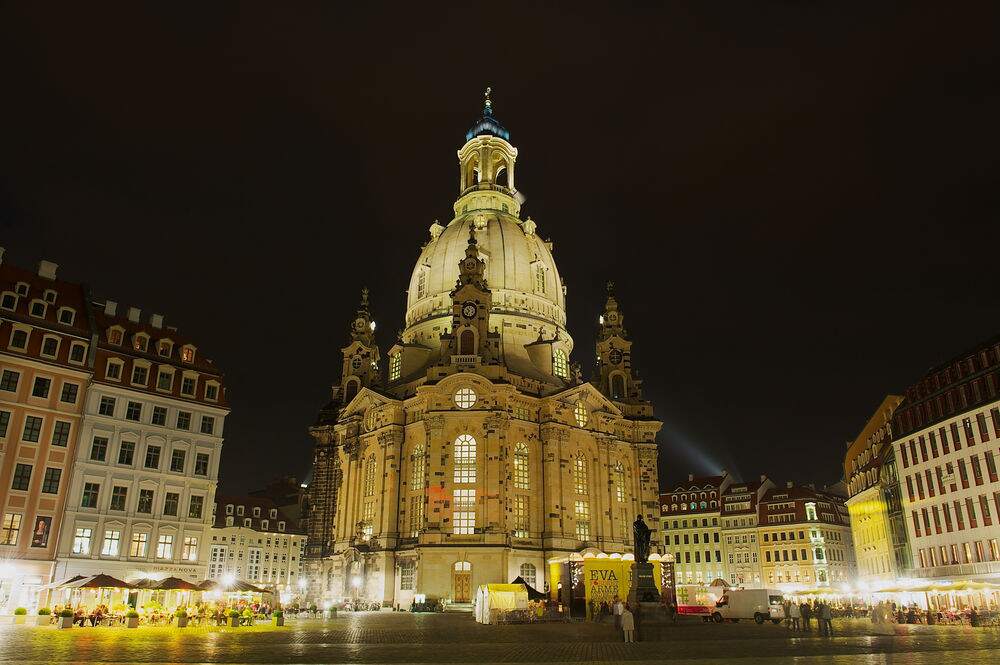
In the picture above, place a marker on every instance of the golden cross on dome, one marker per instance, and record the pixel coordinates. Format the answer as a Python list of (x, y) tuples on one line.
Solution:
[(488, 102)]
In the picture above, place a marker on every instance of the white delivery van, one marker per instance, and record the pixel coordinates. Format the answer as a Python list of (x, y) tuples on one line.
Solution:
[(758, 604)]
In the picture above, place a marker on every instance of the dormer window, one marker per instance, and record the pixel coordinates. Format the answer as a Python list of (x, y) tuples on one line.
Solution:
[(165, 380), (77, 352), (246, 522), (66, 316), (188, 385), (113, 370), (19, 340), (212, 391), (50, 296), (263, 525), (187, 353), (37, 308), (116, 335), (272, 513), (165, 348), (239, 510), (8, 301), (229, 509), (256, 511), (229, 521), (281, 526), (140, 375), (50, 346), (140, 342), (21, 288)]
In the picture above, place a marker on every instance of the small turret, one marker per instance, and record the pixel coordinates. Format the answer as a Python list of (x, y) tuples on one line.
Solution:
[(361, 355)]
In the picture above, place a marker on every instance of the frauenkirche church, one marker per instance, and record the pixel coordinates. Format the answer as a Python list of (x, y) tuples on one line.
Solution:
[(481, 454)]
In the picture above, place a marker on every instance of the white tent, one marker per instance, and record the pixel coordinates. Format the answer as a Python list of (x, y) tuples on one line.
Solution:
[(494, 598)]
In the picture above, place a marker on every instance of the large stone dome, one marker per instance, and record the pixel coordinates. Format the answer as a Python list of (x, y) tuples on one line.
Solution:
[(520, 271)]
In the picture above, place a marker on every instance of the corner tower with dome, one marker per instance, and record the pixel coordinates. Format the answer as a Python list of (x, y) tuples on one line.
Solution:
[(477, 453)]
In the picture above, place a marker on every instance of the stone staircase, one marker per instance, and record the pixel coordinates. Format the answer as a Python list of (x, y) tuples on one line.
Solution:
[(458, 607)]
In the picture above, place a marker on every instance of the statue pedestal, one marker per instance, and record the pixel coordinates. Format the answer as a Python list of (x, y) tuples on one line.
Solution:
[(645, 599)]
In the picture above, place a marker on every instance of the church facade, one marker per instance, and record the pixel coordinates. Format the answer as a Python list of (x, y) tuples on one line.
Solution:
[(477, 453)]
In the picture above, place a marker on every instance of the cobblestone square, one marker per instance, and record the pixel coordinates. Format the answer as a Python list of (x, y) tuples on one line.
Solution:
[(457, 639)]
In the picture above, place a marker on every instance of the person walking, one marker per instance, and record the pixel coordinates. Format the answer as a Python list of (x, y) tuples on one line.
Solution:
[(806, 613), (826, 617), (628, 625), (617, 607), (793, 617)]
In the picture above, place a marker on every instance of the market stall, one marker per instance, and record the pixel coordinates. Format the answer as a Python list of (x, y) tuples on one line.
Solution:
[(501, 603)]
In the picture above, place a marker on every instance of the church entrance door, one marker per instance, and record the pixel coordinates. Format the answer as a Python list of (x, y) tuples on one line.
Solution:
[(462, 582)]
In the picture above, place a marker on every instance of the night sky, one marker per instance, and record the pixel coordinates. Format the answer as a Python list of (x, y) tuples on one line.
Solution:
[(798, 201)]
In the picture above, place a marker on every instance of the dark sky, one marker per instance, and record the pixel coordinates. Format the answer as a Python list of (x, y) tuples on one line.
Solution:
[(798, 200)]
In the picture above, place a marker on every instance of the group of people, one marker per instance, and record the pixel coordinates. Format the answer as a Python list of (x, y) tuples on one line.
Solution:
[(799, 617), (888, 613)]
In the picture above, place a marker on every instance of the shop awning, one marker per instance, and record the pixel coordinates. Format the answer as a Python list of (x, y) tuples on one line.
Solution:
[(100, 581), (238, 586)]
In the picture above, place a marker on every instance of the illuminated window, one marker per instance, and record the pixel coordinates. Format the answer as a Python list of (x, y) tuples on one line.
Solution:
[(115, 335), (189, 551), (421, 284), (810, 511), (465, 398), (406, 570), (464, 512), (137, 548), (370, 422), (370, 476), (560, 364), (539, 278), (521, 480), (582, 513), (81, 540), (11, 527), (187, 354), (417, 470), (140, 342), (529, 574), (580, 412), (395, 366), (521, 516), (619, 477), (580, 475), (416, 515), (465, 459), (112, 541)]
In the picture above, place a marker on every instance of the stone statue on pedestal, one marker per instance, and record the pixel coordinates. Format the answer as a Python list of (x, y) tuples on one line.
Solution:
[(640, 536)]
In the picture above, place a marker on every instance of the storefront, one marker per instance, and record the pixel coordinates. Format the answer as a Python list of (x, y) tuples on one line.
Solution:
[(22, 581)]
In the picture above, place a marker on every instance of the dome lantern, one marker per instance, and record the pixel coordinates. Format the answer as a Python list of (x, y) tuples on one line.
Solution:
[(486, 163)]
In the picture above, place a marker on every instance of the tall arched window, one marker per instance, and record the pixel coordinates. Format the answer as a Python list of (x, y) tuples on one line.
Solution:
[(467, 343), (560, 364), (417, 469), (580, 475), (395, 366), (539, 278), (370, 476), (465, 459), (617, 386), (421, 283), (620, 481), (350, 390), (528, 574), (521, 477)]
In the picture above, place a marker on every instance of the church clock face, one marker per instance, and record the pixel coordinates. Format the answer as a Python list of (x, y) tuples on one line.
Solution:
[(359, 325), (613, 317), (356, 363), (469, 310), (470, 264), (615, 357)]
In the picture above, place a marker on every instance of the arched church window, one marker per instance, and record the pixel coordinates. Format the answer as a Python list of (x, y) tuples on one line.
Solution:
[(560, 364), (619, 476), (580, 413), (370, 419), (465, 398), (580, 473), (521, 480), (370, 476), (395, 366), (467, 343), (465, 459), (417, 470), (350, 390), (617, 386), (539, 278), (528, 574)]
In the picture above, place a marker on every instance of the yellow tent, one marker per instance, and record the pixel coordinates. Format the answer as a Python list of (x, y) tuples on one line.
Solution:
[(498, 598)]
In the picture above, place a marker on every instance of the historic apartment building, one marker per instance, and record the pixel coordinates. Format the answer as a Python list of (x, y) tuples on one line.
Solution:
[(946, 445), (689, 524), (144, 479), (805, 538), (873, 496), (46, 360), (476, 452), (740, 535), (253, 540)]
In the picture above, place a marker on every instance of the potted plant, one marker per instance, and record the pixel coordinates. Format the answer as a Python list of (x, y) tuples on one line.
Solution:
[(279, 618), (132, 619), (234, 618), (182, 618), (21, 615), (66, 619), (43, 616)]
